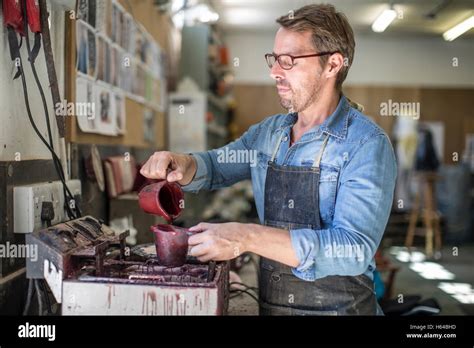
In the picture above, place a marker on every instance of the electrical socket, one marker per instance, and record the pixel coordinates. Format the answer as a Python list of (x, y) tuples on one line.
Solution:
[(28, 200)]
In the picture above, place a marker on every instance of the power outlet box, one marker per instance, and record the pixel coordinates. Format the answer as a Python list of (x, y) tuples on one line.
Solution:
[(28, 203)]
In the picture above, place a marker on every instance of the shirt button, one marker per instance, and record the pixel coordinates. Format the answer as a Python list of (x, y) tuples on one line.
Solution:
[(285, 138)]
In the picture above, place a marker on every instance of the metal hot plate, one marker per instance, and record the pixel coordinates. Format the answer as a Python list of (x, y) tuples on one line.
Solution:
[(140, 285)]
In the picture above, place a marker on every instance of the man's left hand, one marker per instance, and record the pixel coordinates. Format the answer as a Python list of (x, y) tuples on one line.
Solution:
[(218, 242)]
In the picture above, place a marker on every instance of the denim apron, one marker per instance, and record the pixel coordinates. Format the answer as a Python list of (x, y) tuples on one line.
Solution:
[(292, 202)]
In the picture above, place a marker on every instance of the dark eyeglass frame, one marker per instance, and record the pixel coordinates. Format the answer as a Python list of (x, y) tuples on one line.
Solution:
[(277, 58)]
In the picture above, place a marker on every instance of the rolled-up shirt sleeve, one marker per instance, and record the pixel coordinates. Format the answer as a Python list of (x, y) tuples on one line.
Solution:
[(362, 209)]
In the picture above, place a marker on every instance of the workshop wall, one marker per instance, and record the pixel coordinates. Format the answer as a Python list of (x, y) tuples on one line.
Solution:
[(392, 61), (17, 137), (399, 70)]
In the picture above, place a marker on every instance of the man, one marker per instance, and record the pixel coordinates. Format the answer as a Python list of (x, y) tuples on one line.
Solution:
[(323, 182)]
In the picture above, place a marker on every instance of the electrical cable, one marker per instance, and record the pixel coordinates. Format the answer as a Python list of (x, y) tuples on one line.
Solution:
[(257, 267), (56, 160), (247, 287), (245, 292), (28, 297), (40, 302), (43, 287), (35, 128), (57, 164)]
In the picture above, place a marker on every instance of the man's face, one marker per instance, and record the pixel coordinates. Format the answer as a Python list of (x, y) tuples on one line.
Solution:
[(300, 86)]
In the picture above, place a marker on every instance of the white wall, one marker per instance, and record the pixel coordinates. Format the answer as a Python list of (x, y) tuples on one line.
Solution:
[(16, 133), (378, 61)]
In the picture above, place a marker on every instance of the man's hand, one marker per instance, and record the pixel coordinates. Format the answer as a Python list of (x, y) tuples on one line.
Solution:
[(170, 166), (218, 242)]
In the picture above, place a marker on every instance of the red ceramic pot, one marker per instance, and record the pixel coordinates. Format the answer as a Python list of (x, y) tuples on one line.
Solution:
[(171, 244), (162, 198)]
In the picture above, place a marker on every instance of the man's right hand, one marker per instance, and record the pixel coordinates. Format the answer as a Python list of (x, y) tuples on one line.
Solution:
[(170, 166)]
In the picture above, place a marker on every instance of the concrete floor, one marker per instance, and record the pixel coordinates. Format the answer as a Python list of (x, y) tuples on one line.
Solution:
[(407, 282), (244, 304)]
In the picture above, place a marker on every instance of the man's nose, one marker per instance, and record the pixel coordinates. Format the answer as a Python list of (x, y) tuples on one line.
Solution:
[(276, 72)]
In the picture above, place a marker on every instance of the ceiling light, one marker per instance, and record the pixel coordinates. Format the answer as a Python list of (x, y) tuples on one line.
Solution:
[(459, 29), (384, 20)]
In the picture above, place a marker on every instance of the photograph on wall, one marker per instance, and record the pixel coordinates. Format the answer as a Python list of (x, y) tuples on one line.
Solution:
[(92, 50), (117, 23), (132, 38), (128, 32), (105, 110), (155, 64), (113, 65), (101, 15), (108, 18), (139, 80), (107, 77), (92, 13), (120, 112), (149, 126), (139, 44), (85, 105), (101, 63), (126, 74), (82, 48), (83, 10)]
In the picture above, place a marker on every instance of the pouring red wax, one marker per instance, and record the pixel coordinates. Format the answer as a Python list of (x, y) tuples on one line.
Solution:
[(166, 199)]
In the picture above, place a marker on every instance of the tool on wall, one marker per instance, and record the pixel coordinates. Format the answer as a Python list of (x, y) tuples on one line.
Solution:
[(13, 21), (18, 16), (33, 15)]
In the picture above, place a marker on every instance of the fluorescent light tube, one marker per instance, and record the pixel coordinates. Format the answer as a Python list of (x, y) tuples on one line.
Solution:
[(384, 20), (459, 29)]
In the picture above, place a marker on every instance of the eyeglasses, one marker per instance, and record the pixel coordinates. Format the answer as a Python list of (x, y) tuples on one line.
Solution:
[(287, 61)]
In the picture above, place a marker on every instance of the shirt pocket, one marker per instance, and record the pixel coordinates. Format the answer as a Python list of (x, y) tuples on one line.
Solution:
[(327, 189)]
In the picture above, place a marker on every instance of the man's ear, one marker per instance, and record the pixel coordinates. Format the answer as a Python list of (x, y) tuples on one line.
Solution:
[(334, 64)]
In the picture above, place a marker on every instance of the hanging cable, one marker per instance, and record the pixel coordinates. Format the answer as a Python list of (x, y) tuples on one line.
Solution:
[(29, 296), (57, 162), (38, 294)]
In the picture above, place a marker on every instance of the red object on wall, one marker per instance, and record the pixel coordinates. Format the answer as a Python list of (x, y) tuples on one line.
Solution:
[(224, 55), (12, 15), (33, 11)]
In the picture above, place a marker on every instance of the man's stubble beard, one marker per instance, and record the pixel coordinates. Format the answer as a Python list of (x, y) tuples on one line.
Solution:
[(304, 97)]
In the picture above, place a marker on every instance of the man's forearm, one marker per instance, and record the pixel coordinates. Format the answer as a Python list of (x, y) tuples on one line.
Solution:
[(271, 243)]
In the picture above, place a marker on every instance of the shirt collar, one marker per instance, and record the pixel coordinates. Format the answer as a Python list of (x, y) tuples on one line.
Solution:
[(335, 125)]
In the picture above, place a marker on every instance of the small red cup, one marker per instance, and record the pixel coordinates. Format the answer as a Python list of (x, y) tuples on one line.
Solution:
[(171, 244), (162, 198)]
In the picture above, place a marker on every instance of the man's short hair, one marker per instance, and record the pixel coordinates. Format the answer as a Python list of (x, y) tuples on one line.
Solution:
[(330, 30)]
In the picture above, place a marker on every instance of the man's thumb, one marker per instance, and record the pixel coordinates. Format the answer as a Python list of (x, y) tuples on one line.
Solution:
[(174, 176)]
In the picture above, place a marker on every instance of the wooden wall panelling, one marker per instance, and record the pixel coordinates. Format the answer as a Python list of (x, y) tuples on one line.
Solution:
[(371, 98), (255, 103), (454, 107)]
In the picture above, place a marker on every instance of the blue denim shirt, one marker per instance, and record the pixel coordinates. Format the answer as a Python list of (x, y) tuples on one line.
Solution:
[(358, 173)]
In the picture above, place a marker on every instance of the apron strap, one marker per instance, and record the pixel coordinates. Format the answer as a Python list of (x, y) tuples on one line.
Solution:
[(317, 160), (319, 156), (277, 147)]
